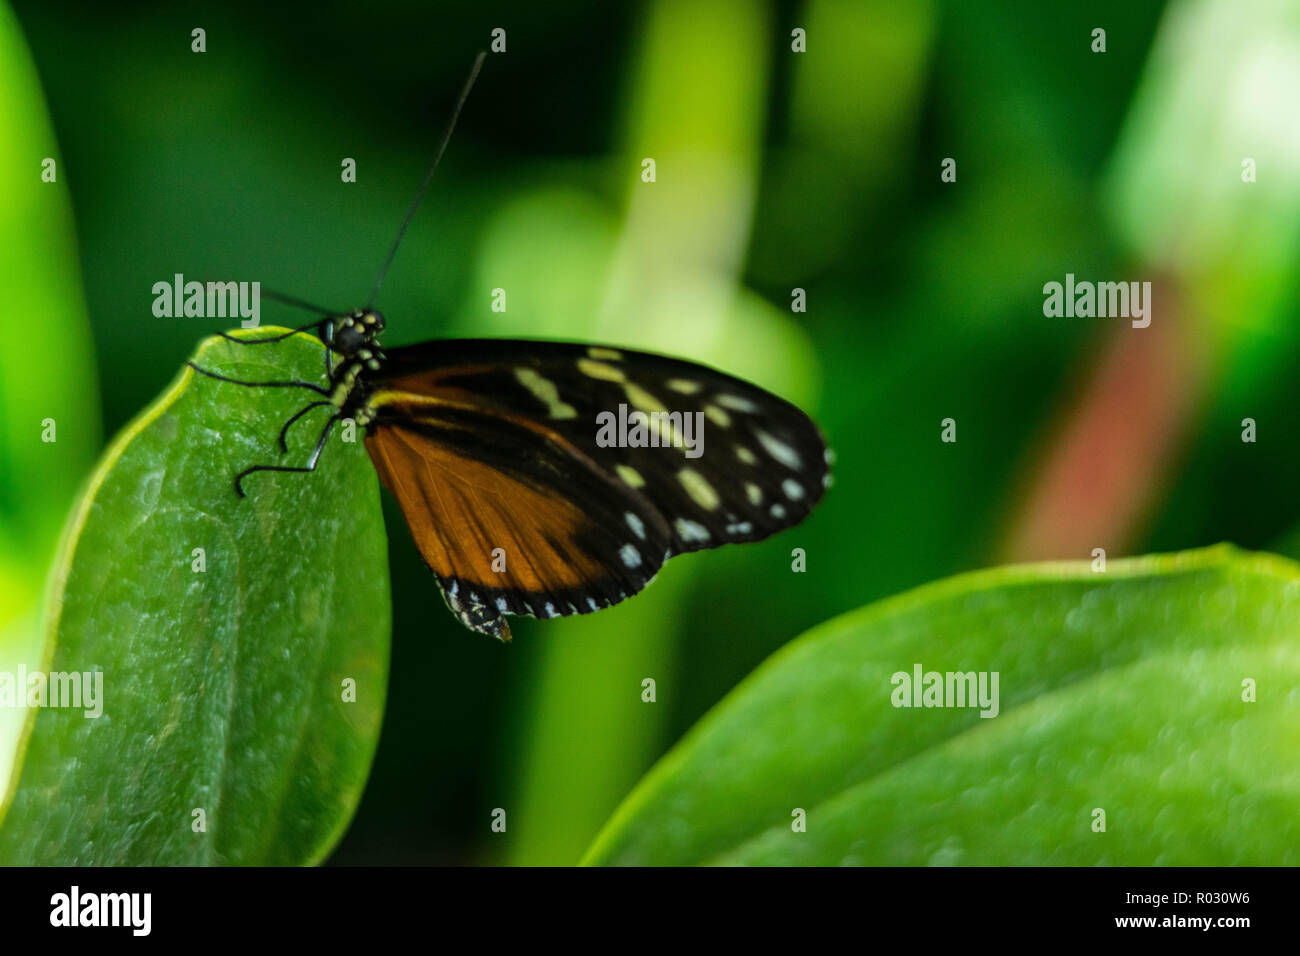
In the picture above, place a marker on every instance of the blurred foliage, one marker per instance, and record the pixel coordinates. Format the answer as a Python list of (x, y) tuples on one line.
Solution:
[(220, 632), (47, 381), (1135, 707), (776, 170)]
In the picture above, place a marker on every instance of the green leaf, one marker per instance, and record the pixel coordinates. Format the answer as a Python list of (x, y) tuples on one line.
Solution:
[(223, 689), (1120, 690)]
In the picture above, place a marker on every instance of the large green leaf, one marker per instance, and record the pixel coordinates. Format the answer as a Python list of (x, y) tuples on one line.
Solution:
[(223, 689), (1120, 691)]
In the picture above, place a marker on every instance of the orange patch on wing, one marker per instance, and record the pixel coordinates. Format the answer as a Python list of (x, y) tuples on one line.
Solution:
[(430, 381), (460, 510)]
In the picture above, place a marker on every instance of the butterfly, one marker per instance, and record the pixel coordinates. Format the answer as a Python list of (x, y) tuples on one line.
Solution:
[(555, 478)]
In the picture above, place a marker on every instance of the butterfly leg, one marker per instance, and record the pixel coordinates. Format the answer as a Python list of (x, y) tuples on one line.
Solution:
[(326, 333), (297, 415), (266, 341), (316, 326), (311, 462), (235, 381)]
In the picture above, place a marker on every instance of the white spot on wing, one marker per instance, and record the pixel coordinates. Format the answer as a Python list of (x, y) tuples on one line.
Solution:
[(793, 490), (753, 493), (635, 524), (630, 555), (717, 416), (779, 450), (643, 400), (600, 370), (630, 476), (545, 391), (691, 531), (737, 404), (698, 488)]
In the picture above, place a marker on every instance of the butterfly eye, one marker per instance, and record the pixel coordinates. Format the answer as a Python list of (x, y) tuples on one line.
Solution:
[(349, 337)]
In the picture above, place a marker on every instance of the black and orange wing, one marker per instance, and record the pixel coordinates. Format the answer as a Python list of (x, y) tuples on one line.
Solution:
[(493, 450), (510, 525)]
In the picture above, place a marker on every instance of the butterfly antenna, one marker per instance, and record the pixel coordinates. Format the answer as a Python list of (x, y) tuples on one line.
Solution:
[(297, 303), (286, 300), (428, 176)]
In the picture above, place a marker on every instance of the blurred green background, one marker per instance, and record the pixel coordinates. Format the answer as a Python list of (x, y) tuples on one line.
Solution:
[(775, 170)]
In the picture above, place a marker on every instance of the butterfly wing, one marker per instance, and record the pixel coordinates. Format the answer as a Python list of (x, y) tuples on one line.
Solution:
[(552, 478), (511, 523)]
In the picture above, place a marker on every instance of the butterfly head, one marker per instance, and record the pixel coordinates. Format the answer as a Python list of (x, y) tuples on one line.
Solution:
[(356, 332)]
